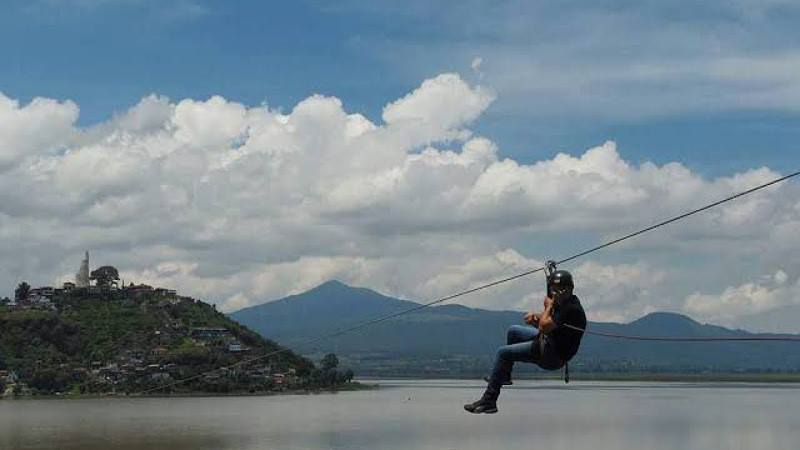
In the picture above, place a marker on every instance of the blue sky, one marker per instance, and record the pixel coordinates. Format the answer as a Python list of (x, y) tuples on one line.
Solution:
[(453, 143), (107, 55)]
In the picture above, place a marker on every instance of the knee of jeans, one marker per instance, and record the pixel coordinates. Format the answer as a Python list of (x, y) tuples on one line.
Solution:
[(513, 331), (503, 353), (510, 333)]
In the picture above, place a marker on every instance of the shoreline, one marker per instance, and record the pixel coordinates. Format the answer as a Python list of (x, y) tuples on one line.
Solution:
[(352, 387), (656, 377)]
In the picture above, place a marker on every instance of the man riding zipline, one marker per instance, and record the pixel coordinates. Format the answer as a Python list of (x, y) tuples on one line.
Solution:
[(551, 348)]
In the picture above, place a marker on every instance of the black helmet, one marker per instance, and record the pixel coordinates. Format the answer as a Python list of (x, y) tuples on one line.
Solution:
[(560, 278)]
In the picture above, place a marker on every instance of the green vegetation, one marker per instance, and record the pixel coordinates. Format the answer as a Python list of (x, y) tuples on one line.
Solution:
[(115, 341)]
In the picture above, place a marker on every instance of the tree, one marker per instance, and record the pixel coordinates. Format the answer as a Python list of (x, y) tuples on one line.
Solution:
[(105, 276), (330, 362), (327, 374), (22, 292), (346, 376)]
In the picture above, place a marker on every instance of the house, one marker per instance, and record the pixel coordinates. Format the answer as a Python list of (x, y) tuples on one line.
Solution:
[(44, 291), (135, 290), (165, 292), (40, 301), (209, 334), (160, 376), (128, 303)]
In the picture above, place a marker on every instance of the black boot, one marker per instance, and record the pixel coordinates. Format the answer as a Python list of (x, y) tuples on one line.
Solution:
[(483, 406), (504, 383)]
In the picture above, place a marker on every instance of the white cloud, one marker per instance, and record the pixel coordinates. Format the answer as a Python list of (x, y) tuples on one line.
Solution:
[(437, 109), (476, 66), (746, 300), (619, 292), (238, 204), (39, 128)]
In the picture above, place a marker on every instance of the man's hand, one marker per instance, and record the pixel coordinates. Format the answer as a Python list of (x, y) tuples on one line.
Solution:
[(532, 319), (546, 324)]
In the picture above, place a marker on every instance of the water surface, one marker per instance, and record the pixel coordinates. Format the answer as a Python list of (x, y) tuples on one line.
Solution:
[(423, 415)]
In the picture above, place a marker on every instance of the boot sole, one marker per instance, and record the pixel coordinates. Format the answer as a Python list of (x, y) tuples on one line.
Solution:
[(484, 411)]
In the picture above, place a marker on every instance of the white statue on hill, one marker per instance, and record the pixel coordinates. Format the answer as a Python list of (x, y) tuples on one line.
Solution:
[(82, 277)]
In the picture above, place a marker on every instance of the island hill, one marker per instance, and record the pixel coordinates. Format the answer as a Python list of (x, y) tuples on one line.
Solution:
[(95, 337)]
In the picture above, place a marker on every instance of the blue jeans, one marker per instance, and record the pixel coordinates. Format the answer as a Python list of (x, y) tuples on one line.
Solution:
[(524, 345)]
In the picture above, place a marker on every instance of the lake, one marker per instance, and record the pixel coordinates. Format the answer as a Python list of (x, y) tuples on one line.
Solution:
[(423, 415)]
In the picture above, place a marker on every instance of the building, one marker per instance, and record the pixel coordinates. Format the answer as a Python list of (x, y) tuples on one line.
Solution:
[(165, 292), (209, 334), (44, 291), (135, 290)]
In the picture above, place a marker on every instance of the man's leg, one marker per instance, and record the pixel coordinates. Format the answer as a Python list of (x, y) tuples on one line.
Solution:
[(504, 361), (520, 333), (515, 335)]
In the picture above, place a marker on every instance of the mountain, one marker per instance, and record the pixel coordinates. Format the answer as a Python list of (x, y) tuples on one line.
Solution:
[(449, 339), (332, 306)]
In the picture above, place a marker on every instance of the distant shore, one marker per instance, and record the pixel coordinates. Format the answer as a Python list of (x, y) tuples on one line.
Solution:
[(349, 387), (733, 378), (655, 377)]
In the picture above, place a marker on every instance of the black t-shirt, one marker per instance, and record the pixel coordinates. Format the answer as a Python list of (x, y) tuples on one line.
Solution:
[(566, 339)]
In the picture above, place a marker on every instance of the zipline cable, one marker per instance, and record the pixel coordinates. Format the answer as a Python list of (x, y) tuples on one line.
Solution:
[(486, 286), (682, 216), (687, 339)]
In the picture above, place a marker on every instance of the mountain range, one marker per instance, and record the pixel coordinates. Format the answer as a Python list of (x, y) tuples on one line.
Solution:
[(454, 339)]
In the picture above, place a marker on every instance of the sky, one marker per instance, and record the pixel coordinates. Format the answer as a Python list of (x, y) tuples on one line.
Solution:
[(244, 151)]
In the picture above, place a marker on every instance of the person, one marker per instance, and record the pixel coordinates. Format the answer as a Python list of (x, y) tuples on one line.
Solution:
[(551, 348)]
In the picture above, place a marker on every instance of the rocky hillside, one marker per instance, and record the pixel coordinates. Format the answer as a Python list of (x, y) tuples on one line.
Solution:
[(116, 342)]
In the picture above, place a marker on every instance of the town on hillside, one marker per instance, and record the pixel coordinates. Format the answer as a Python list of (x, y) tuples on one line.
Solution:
[(97, 336)]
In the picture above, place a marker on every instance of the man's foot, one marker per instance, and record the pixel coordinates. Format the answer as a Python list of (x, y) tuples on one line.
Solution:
[(482, 406), (504, 383)]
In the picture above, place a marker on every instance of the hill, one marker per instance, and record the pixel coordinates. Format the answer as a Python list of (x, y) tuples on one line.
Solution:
[(454, 340), (122, 342)]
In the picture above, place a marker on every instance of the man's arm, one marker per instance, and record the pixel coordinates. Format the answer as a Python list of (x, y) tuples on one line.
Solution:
[(546, 322), (532, 319)]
